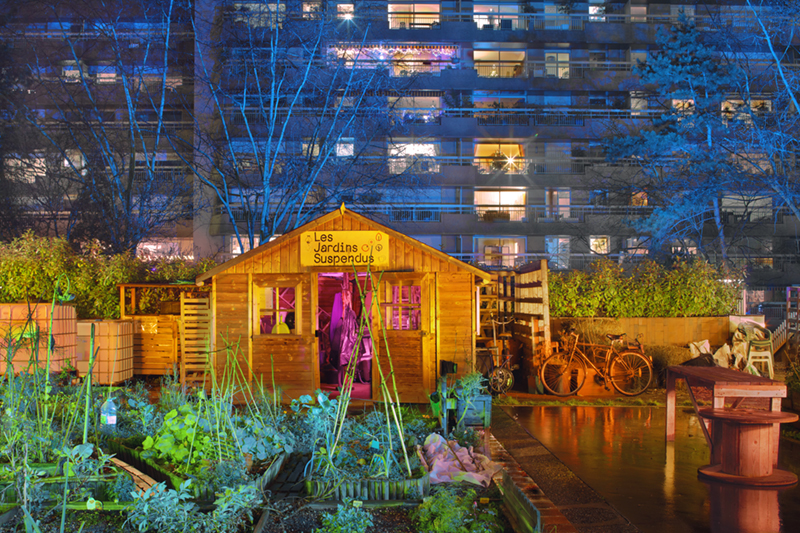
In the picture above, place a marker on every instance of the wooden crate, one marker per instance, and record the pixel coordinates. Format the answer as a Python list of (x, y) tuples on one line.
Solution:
[(113, 344), (155, 344), (25, 332)]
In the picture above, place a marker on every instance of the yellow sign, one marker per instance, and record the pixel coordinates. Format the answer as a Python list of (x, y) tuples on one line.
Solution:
[(344, 248)]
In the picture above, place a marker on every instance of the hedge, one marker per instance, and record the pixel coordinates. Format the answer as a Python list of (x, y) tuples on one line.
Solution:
[(649, 289), (31, 267)]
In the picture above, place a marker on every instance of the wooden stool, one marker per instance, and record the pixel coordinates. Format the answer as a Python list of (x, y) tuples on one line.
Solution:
[(742, 450)]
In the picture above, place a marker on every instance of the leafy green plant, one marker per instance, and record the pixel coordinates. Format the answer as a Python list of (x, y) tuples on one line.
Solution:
[(170, 511), (448, 512), (349, 517), (183, 440)]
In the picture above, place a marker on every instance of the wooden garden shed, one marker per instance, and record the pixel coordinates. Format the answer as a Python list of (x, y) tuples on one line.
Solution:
[(291, 304)]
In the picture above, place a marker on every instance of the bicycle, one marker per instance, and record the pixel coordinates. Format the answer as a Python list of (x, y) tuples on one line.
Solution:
[(627, 368), (501, 374)]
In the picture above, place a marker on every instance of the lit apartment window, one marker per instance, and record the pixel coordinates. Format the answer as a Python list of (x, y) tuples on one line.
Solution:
[(507, 204), (558, 203), (496, 16), (25, 169), (556, 64), (416, 109), (500, 251), (597, 8), (70, 73), (345, 147), (405, 59), (635, 246), (499, 63), (599, 244), (639, 199), (259, 14), (234, 247), (494, 157), (683, 106), (638, 13), (557, 249), (412, 15), (312, 10), (413, 157), (310, 149), (740, 111), (345, 11), (638, 101), (104, 73)]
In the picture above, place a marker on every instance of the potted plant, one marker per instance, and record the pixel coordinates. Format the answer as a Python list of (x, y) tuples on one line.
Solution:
[(473, 401)]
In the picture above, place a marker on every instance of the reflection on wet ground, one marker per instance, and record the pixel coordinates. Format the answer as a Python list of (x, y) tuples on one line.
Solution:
[(622, 454)]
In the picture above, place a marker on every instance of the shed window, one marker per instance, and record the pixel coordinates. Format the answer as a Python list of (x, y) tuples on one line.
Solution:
[(403, 306), (277, 309)]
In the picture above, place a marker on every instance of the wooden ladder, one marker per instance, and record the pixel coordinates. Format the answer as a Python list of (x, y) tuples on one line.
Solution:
[(196, 356)]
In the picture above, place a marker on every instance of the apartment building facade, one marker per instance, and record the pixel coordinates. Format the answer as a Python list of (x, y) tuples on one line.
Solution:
[(501, 125)]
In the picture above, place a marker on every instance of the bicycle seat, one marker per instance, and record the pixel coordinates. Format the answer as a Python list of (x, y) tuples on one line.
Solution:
[(613, 337)]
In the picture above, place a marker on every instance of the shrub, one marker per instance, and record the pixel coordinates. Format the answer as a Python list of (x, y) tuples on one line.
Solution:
[(686, 288), (664, 357), (447, 512)]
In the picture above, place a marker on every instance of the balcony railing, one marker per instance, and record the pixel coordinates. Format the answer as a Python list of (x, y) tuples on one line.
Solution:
[(523, 21), (581, 261)]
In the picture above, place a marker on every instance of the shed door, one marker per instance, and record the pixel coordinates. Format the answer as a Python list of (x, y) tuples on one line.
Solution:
[(404, 300), (282, 335)]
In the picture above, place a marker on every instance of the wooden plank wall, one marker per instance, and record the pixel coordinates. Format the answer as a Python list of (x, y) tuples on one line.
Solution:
[(232, 328), (657, 331), (456, 320), (155, 344), (407, 370)]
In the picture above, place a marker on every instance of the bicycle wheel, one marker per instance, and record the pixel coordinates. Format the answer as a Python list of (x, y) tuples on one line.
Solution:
[(630, 373), (501, 380), (563, 374)]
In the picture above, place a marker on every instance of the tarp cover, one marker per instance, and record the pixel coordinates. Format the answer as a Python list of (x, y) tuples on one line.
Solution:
[(445, 468)]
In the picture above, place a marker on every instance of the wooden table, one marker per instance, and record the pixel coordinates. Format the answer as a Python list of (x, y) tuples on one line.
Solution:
[(724, 384), (743, 451)]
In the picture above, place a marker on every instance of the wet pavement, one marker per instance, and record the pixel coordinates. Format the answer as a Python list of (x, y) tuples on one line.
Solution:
[(609, 469)]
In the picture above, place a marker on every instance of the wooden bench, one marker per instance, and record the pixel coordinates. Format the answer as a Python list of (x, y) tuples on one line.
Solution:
[(742, 447)]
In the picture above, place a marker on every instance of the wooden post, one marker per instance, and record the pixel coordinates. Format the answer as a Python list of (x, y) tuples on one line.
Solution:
[(670, 423)]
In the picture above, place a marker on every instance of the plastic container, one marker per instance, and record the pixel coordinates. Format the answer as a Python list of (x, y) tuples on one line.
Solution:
[(108, 413)]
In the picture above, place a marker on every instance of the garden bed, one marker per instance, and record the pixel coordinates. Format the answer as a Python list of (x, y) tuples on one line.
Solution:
[(160, 473)]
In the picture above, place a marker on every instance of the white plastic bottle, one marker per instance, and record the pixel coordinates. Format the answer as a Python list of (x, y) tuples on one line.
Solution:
[(108, 413)]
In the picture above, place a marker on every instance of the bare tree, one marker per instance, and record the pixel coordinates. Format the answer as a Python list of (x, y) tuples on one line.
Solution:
[(293, 111), (103, 95)]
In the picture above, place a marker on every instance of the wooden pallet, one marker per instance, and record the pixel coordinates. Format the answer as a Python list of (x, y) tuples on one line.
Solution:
[(195, 327)]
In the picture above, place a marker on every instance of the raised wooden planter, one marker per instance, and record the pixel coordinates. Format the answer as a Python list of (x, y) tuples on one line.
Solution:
[(113, 345), (368, 488), (25, 330), (52, 483), (161, 474)]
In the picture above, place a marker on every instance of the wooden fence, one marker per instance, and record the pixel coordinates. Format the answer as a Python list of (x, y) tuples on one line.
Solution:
[(658, 331)]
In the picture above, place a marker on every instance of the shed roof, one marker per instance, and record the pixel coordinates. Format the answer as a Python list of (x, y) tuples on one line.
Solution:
[(341, 212)]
